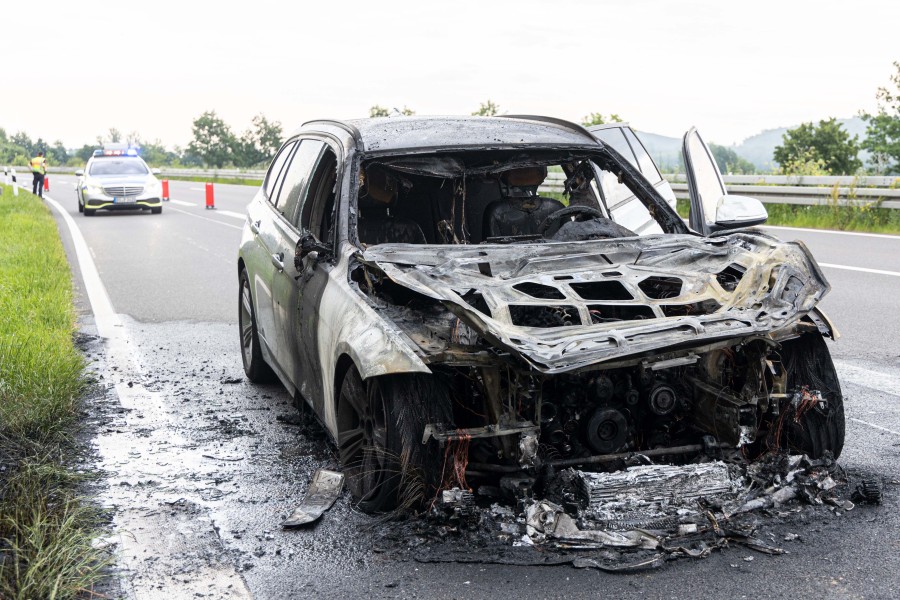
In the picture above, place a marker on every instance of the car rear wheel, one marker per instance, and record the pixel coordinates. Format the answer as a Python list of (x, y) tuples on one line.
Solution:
[(80, 207), (254, 365), (812, 427), (380, 426), (156, 210), (89, 212)]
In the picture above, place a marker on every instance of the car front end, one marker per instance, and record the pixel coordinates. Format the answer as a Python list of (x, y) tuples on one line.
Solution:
[(118, 183), (121, 194)]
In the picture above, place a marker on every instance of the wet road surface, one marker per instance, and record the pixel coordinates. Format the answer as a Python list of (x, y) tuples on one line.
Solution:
[(202, 466)]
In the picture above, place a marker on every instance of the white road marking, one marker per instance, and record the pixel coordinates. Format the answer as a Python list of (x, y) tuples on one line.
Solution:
[(888, 383), (184, 212), (875, 380), (107, 320), (182, 202), (874, 426), (236, 215), (861, 269), (831, 231), (125, 371)]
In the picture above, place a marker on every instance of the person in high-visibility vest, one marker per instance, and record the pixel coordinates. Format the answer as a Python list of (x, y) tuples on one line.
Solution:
[(38, 169)]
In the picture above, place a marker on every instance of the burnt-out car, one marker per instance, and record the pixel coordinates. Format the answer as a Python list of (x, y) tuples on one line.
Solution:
[(450, 324)]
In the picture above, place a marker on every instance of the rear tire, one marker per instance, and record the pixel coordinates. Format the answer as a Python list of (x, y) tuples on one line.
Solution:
[(817, 430), (255, 366), (156, 210), (89, 212), (80, 207), (380, 426)]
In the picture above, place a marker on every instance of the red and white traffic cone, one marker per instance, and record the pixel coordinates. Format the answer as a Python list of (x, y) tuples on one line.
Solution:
[(210, 200), (165, 191), (46, 183)]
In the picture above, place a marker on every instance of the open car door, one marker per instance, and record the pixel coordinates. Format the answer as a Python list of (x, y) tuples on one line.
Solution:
[(712, 208)]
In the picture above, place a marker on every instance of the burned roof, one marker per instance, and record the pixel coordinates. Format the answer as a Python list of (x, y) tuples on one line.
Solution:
[(387, 134)]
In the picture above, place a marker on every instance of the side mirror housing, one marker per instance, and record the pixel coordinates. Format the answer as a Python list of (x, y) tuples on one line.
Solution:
[(155, 171), (79, 173), (734, 212)]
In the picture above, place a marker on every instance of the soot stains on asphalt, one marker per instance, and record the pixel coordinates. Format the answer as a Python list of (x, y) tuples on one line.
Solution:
[(222, 464)]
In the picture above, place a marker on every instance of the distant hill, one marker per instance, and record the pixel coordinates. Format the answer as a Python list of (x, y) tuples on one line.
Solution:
[(758, 149), (666, 151)]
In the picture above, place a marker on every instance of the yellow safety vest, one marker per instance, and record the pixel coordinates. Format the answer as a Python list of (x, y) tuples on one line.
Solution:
[(38, 165)]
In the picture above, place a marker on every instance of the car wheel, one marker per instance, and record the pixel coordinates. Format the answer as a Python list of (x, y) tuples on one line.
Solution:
[(254, 365), (380, 426), (89, 212), (80, 207), (818, 428), (156, 210)]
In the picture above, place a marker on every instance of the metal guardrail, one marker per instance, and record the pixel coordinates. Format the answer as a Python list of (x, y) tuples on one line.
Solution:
[(772, 189), (790, 189), (168, 172)]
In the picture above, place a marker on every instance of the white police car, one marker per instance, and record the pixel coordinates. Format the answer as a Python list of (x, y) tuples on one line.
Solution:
[(116, 178)]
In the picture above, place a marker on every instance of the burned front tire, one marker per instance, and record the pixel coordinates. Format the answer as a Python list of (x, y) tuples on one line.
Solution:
[(255, 366), (380, 428), (812, 424)]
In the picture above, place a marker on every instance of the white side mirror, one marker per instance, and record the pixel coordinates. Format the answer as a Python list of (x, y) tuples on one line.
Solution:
[(79, 173), (739, 211), (155, 171)]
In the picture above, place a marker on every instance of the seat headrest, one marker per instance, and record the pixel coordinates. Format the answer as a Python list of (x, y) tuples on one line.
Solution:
[(380, 187), (525, 177)]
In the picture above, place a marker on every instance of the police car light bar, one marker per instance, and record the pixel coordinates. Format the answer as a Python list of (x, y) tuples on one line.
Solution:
[(116, 150)]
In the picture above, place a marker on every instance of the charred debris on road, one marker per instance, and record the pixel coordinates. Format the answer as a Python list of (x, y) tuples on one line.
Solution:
[(637, 518)]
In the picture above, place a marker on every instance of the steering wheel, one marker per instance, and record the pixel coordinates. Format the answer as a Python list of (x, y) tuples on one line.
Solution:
[(554, 221)]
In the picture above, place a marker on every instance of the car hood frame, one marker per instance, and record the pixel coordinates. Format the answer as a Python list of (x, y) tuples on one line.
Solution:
[(742, 284)]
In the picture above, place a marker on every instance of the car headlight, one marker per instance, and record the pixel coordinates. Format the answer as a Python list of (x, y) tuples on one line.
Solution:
[(153, 187), (92, 189)]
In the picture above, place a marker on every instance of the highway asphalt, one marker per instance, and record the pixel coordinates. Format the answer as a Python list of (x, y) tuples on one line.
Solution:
[(172, 280)]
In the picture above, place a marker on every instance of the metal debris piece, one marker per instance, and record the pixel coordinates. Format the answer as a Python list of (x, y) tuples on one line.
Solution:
[(546, 521), (654, 562), (459, 504), (324, 489), (647, 490), (868, 490)]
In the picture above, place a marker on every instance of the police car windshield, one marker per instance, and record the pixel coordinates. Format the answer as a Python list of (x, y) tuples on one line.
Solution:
[(118, 166)]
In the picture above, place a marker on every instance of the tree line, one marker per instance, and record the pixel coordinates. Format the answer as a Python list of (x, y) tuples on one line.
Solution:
[(822, 148), (826, 148), (214, 144)]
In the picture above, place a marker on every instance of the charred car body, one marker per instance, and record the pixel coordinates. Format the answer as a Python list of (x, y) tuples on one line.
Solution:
[(449, 324)]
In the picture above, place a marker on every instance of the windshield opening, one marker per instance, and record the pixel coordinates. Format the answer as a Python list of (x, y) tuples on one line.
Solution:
[(506, 197)]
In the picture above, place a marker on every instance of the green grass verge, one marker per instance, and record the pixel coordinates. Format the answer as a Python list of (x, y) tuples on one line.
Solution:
[(45, 528)]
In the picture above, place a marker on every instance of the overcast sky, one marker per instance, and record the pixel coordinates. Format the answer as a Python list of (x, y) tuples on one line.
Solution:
[(75, 69)]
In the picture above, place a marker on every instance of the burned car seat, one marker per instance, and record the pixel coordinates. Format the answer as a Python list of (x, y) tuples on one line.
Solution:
[(376, 224), (521, 211)]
